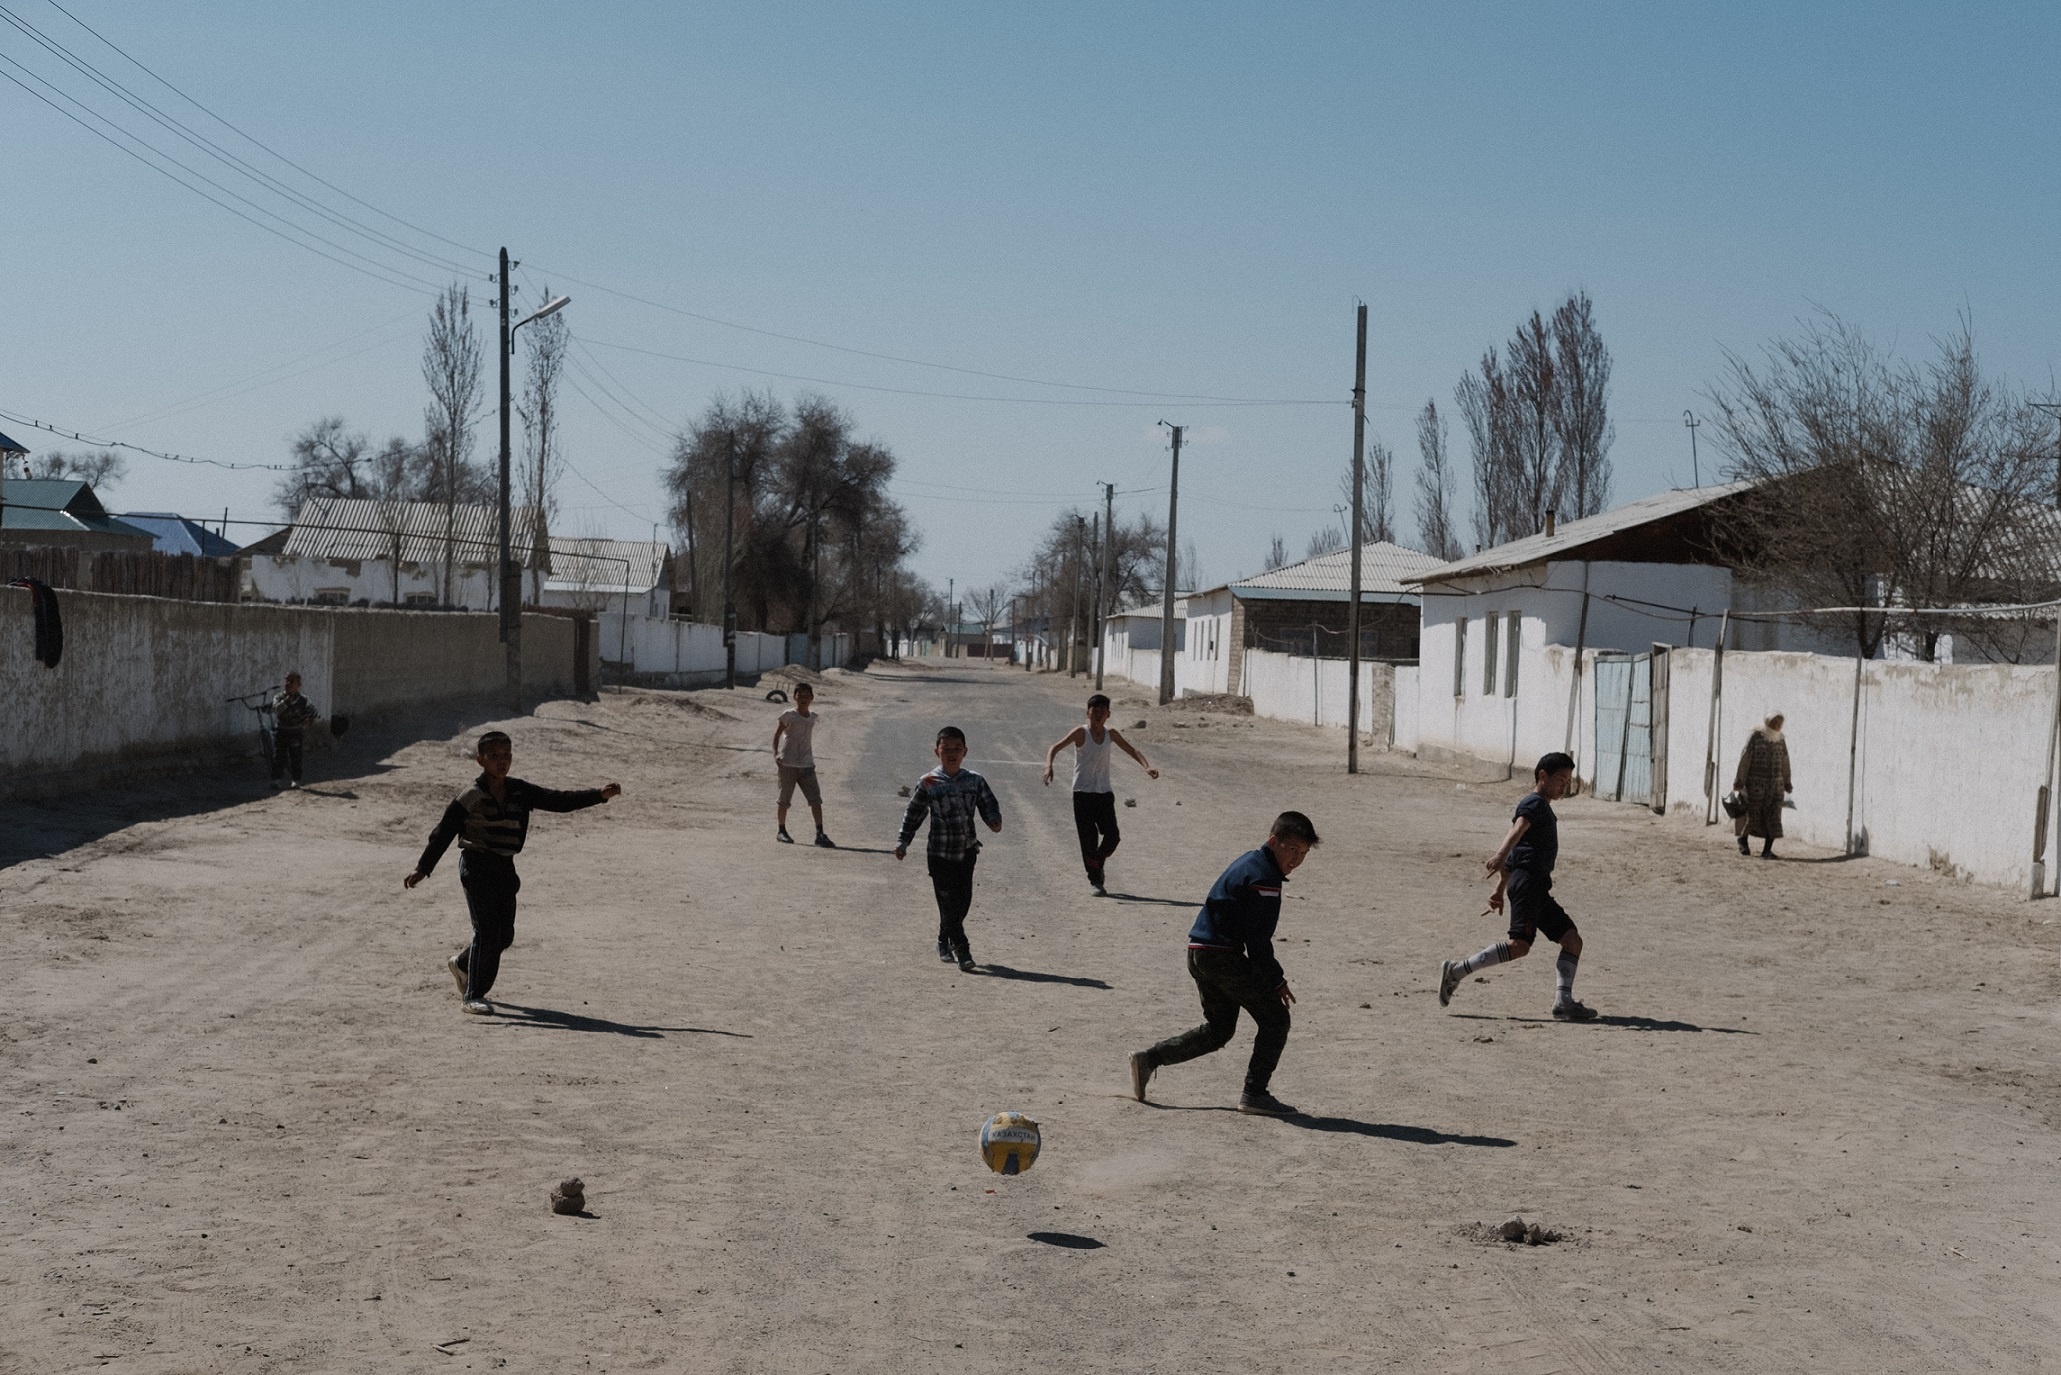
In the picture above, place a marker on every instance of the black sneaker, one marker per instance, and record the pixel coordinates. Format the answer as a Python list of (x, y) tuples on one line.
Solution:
[(784, 838), (824, 842), (1141, 1073), (1572, 1011), (1744, 848), (1097, 889), (965, 957), (944, 952), (1263, 1103), (1450, 976)]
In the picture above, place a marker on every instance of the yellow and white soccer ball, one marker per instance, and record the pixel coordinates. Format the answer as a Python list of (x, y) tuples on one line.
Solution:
[(1009, 1142)]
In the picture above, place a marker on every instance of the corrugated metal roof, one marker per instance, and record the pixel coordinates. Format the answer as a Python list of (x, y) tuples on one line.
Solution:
[(349, 528), (600, 564), (174, 534), (1576, 534), (43, 503), (1386, 570), (8, 446)]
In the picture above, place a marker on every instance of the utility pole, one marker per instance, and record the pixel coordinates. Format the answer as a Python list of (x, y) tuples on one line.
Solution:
[(1073, 615), (1352, 606), (815, 563), (1695, 469), (511, 606), (1095, 607), (1105, 600), (1166, 612), (951, 612), (729, 560)]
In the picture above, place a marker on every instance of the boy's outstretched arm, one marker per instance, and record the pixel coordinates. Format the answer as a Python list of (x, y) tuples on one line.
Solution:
[(990, 808), (1132, 750), (1499, 862), (1072, 737), (919, 808), (439, 841), (553, 800)]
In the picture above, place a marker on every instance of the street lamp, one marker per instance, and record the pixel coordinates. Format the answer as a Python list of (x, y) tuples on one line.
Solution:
[(511, 574)]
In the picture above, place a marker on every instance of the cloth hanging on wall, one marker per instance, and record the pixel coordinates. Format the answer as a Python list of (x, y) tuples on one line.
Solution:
[(49, 623)]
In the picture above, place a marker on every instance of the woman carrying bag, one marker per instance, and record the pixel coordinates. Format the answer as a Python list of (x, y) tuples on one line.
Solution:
[(1761, 782)]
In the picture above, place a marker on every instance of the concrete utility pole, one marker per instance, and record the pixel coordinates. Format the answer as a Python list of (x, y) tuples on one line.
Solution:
[(511, 572), (1166, 611), (1095, 607), (729, 559), (951, 612), (1073, 615), (1352, 608), (511, 607), (1690, 421), (1105, 601)]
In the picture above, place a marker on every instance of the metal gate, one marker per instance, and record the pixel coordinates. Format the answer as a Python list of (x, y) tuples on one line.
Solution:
[(1624, 728)]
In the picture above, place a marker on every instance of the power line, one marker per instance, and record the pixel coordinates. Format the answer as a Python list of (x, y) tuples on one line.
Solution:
[(78, 438), (258, 143), (377, 274), (215, 150), (941, 395)]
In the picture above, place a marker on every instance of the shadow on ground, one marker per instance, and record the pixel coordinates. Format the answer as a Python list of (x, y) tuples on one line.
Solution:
[(1003, 971), (580, 1021)]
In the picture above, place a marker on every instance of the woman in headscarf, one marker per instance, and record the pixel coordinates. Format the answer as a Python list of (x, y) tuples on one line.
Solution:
[(1762, 781)]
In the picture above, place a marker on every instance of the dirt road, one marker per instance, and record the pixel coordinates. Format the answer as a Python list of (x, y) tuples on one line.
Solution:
[(249, 1130)]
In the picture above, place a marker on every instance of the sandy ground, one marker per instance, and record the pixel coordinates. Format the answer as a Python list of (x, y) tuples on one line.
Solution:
[(249, 1130)]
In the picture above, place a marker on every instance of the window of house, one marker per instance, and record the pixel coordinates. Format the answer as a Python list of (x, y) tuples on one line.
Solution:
[(1460, 657), (332, 596), (1515, 622), (422, 599), (1489, 625)]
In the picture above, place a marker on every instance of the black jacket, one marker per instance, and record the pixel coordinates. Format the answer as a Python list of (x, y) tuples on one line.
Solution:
[(477, 822)]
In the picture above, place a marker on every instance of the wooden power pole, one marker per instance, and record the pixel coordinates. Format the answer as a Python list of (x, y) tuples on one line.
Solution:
[(1166, 610), (1352, 606)]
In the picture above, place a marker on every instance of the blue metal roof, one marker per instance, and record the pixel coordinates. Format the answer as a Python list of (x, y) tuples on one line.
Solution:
[(174, 534)]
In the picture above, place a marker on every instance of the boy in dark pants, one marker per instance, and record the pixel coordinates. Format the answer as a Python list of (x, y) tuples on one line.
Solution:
[(1094, 803), (1523, 868), (490, 820), (951, 796), (292, 714), (1231, 959)]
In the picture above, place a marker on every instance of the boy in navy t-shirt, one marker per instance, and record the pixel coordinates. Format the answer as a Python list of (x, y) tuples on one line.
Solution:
[(1231, 959), (1523, 868)]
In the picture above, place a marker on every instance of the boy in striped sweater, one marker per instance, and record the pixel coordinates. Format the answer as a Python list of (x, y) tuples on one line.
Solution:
[(952, 796), (490, 820)]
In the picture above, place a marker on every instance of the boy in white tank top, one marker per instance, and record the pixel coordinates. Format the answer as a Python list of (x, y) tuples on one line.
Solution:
[(1094, 801)]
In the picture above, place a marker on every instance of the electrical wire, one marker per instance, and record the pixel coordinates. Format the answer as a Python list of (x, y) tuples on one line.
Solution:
[(940, 395), (78, 438), (258, 143), (219, 153), (376, 275)]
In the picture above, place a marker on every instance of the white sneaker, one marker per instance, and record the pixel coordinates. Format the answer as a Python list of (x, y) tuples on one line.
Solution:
[(1099, 890), (478, 1007), (457, 973)]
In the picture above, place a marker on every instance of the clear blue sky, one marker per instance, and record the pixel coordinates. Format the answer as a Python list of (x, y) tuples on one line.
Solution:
[(1174, 198)]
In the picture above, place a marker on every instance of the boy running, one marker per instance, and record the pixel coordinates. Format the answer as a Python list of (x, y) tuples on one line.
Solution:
[(1094, 803), (292, 714), (1231, 959), (1523, 867), (795, 755), (951, 796), (490, 821)]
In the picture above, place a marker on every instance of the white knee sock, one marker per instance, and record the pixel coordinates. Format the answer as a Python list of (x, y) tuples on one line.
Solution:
[(1564, 966), (1492, 956)]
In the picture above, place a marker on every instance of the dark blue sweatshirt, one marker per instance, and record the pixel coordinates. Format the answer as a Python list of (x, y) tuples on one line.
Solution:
[(1242, 911)]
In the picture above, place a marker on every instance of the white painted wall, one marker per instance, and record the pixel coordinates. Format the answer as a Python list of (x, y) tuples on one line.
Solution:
[(1945, 771), (679, 653), (299, 579), (1288, 687), (1404, 728), (1205, 642)]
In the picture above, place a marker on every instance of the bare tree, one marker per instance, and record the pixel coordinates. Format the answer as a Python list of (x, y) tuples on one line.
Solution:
[(1277, 553), (1883, 487), (97, 468), (542, 457), (451, 366), (1435, 516), (1534, 393), (1327, 539), (1490, 415), (1377, 502), (1581, 408)]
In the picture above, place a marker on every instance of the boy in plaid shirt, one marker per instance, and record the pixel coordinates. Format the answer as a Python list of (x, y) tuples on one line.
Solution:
[(951, 796)]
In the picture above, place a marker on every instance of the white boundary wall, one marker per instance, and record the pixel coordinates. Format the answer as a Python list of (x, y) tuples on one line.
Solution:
[(1946, 771), (677, 653), (1288, 687)]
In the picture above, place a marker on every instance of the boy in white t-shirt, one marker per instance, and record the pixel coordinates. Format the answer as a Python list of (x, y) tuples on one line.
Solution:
[(1094, 800), (794, 752)]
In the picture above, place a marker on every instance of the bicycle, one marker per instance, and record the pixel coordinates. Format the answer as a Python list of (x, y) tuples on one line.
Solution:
[(259, 703)]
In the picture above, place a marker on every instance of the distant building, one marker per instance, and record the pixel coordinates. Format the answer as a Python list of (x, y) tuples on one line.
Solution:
[(63, 511), (175, 534), (609, 575), (358, 552)]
